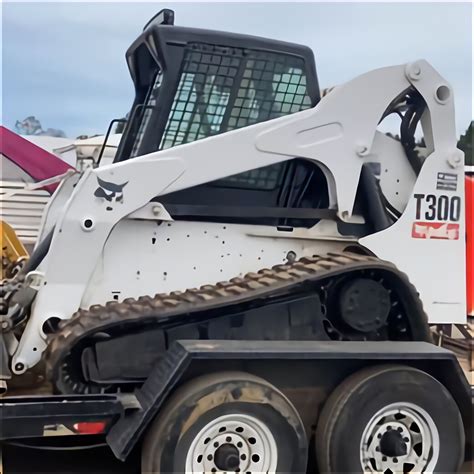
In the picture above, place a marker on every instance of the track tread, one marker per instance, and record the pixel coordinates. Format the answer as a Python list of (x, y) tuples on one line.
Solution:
[(262, 284)]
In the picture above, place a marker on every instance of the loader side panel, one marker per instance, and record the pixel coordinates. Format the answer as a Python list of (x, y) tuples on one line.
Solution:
[(427, 242), (469, 191)]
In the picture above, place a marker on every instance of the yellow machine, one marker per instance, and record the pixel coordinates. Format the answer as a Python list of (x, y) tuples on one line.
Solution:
[(13, 251)]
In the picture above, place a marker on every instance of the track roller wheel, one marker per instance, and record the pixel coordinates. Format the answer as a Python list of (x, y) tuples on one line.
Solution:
[(390, 420), (226, 422)]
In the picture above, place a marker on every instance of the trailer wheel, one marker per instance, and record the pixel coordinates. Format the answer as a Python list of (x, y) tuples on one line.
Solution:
[(390, 419), (226, 422)]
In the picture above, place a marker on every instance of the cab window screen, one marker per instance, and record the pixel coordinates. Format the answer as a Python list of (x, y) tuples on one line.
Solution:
[(223, 89)]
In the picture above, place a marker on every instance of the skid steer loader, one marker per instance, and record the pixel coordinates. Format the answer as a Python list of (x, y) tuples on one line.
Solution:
[(339, 212), (243, 207)]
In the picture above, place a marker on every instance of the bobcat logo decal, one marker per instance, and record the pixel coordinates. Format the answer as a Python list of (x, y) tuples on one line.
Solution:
[(111, 192)]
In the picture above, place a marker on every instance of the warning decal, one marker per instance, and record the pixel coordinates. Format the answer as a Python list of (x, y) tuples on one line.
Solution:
[(435, 230), (447, 181)]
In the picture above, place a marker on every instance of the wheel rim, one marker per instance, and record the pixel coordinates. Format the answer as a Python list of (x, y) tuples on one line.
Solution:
[(233, 443), (400, 438)]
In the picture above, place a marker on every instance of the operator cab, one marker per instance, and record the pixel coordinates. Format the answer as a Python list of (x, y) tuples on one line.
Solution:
[(193, 83)]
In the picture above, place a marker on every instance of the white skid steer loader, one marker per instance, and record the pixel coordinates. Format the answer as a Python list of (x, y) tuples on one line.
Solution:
[(242, 206), (293, 176)]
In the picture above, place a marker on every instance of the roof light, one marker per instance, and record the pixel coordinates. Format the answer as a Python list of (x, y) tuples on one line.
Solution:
[(163, 17)]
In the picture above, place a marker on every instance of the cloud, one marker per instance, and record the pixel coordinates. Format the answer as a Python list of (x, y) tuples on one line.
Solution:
[(65, 62)]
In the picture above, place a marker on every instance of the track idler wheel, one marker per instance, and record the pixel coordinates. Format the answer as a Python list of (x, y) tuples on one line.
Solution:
[(364, 305)]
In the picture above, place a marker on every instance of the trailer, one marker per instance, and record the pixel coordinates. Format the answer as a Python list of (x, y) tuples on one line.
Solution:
[(260, 406)]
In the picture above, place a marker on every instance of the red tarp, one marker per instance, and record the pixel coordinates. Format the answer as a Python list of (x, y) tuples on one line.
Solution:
[(34, 160)]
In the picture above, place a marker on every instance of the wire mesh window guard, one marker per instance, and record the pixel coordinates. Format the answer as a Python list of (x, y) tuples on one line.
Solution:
[(223, 89)]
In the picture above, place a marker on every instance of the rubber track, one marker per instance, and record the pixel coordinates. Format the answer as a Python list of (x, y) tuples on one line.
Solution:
[(267, 282)]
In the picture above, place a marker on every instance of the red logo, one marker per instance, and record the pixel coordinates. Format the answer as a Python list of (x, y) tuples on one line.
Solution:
[(435, 230)]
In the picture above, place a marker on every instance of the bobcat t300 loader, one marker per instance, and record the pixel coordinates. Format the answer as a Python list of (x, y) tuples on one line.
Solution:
[(256, 270)]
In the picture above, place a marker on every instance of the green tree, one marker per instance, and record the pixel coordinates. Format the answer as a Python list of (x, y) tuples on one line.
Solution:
[(32, 126), (465, 144)]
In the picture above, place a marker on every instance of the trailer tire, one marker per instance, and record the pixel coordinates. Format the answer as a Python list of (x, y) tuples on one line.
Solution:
[(371, 418), (226, 421)]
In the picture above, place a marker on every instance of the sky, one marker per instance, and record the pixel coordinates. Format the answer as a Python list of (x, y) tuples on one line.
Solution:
[(65, 62)]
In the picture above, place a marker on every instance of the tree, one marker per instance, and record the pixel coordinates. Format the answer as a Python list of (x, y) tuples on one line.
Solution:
[(32, 126), (465, 144)]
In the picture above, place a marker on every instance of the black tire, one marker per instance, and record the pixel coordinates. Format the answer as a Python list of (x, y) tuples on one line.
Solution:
[(354, 403), (198, 403)]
